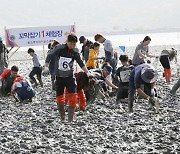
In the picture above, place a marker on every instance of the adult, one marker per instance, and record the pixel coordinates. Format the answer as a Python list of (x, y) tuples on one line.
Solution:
[(85, 48), (36, 70), (110, 56), (142, 79), (142, 52), (7, 78), (165, 58), (51, 61), (22, 90), (93, 56), (65, 54)]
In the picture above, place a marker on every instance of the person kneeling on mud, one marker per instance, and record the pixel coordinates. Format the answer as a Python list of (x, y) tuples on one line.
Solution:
[(22, 90), (123, 73), (142, 79)]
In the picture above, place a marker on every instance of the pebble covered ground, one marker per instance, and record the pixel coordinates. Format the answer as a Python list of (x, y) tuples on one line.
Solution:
[(105, 127)]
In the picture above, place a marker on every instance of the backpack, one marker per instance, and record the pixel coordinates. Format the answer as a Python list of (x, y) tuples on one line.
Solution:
[(25, 92)]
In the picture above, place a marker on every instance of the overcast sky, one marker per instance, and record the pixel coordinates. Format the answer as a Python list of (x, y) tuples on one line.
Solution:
[(91, 15)]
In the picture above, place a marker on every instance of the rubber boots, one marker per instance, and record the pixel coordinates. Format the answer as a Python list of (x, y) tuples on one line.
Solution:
[(130, 102), (61, 110), (167, 74), (71, 114)]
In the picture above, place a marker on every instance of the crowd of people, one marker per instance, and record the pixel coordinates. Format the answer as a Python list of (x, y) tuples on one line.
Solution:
[(135, 76)]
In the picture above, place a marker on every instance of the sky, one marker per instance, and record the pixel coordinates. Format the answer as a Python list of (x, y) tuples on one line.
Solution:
[(91, 15)]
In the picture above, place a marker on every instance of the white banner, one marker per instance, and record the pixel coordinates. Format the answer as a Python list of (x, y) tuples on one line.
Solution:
[(35, 36)]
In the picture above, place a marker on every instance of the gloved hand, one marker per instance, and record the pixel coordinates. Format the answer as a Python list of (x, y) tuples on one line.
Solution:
[(151, 101), (45, 71), (152, 93), (90, 75)]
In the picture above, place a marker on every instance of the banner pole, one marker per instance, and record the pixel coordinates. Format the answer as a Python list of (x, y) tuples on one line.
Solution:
[(44, 51)]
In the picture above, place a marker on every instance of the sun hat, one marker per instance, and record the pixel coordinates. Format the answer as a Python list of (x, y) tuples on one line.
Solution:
[(149, 74)]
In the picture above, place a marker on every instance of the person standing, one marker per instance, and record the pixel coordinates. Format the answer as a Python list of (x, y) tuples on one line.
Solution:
[(165, 58), (142, 52), (51, 61), (37, 69), (65, 54), (85, 48)]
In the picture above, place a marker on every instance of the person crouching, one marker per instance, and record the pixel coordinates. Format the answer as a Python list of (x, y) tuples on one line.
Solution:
[(142, 79), (22, 90)]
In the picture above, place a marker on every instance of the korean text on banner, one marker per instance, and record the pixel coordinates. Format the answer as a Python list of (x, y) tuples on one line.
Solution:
[(35, 36)]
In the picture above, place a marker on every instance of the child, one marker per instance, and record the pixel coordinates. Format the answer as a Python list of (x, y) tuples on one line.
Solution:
[(123, 73), (37, 69)]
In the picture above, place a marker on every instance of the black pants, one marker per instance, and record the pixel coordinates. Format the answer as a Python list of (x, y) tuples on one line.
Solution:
[(35, 71), (122, 91), (165, 61), (69, 83)]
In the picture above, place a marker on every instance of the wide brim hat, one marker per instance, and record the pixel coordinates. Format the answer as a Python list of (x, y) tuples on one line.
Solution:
[(149, 74)]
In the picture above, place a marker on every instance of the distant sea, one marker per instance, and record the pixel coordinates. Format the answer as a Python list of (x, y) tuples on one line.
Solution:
[(172, 38), (159, 41)]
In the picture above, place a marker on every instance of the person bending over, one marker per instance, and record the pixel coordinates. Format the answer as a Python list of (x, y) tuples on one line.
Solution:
[(142, 79), (22, 90), (165, 58), (7, 78)]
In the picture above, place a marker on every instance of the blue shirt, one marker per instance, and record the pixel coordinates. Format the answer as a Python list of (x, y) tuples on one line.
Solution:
[(135, 80)]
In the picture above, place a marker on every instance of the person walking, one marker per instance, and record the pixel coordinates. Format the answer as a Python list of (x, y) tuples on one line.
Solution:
[(65, 55), (36, 70)]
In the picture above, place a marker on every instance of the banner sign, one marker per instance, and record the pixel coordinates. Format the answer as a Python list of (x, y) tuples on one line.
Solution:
[(36, 36)]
